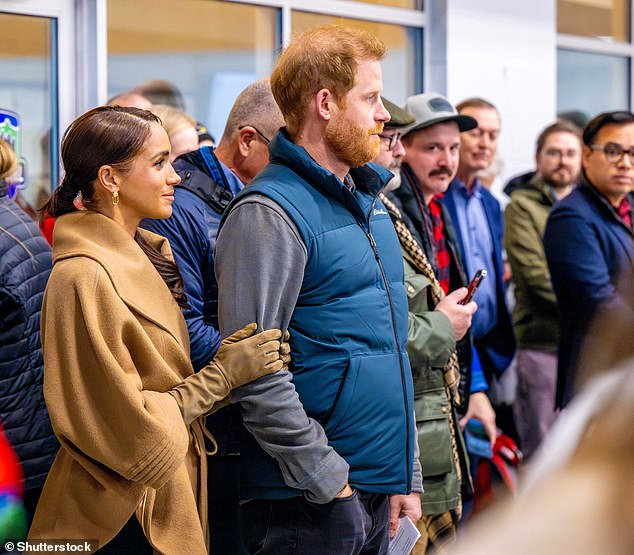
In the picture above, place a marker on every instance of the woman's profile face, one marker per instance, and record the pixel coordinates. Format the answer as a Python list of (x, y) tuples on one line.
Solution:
[(147, 189)]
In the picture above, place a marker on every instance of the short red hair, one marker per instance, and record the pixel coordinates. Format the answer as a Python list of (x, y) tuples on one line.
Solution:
[(324, 57)]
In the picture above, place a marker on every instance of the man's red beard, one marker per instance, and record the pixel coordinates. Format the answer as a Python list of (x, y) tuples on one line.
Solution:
[(353, 145)]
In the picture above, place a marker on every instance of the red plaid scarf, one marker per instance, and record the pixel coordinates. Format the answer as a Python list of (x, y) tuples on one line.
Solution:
[(443, 258)]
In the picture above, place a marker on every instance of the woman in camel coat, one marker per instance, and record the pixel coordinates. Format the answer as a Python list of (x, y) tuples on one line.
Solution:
[(123, 399)]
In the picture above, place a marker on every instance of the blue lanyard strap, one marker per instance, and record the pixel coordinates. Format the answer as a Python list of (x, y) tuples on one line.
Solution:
[(213, 166)]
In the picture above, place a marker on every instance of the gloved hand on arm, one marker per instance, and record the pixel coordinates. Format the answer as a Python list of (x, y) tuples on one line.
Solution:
[(240, 359)]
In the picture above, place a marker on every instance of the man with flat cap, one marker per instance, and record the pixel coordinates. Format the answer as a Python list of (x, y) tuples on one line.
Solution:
[(447, 375), (391, 154)]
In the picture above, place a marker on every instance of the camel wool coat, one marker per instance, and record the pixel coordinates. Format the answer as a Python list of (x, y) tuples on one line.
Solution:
[(115, 342)]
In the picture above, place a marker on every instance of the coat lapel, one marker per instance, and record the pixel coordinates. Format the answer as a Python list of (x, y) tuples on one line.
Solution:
[(93, 235)]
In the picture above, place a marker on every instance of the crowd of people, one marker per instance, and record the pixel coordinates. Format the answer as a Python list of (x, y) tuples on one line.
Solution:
[(270, 344)]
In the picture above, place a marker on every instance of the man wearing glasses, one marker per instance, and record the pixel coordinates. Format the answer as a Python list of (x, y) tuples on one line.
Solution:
[(209, 181), (589, 241), (558, 163), (392, 151)]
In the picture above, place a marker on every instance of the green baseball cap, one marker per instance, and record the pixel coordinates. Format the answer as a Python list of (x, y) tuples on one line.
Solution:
[(399, 117)]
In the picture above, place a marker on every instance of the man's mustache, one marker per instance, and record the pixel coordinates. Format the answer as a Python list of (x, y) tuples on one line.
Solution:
[(441, 171)]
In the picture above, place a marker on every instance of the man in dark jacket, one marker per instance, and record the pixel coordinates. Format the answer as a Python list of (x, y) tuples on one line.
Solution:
[(558, 161), (209, 181), (435, 322), (431, 162), (589, 241), (25, 264), (329, 448)]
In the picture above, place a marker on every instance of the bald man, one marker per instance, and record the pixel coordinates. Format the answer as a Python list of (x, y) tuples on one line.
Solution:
[(209, 181)]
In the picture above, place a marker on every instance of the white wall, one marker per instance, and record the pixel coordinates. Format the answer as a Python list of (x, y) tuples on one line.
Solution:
[(506, 52)]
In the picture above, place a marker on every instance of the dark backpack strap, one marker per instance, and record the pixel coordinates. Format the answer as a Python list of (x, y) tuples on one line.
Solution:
[(210, 186)]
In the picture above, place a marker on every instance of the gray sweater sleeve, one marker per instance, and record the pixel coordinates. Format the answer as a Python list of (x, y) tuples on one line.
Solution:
[(260, 260)]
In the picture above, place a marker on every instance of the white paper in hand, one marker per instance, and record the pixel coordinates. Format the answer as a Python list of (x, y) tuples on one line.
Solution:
[(406, 535)]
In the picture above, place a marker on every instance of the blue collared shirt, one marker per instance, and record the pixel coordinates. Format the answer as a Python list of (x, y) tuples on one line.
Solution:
[(476, 237), (235, 185)]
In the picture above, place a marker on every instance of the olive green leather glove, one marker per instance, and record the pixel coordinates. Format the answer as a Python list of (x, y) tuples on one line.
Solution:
[(241, 358)]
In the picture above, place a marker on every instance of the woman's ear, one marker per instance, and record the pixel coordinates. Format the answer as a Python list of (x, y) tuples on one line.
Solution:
[(108, 179)]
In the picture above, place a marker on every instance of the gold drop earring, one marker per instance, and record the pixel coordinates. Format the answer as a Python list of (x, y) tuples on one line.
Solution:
[(115, 198)]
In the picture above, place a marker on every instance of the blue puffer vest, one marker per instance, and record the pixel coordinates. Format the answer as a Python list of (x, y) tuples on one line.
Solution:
[(25, 264), (349, 327)]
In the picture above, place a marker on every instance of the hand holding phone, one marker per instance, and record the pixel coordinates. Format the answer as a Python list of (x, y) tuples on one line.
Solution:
[(473, 285)]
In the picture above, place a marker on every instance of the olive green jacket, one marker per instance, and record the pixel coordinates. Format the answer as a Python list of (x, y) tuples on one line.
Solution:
[(430, 341), (535, 312)]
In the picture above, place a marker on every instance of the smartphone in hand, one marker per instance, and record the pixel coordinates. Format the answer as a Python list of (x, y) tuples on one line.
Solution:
[(473, 285)]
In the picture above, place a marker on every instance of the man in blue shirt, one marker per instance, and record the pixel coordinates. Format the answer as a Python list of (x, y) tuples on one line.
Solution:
[(477, 217)]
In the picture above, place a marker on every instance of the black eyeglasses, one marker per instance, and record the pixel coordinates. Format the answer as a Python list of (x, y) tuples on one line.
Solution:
[(266, 139), (393, 139), (614, 152)]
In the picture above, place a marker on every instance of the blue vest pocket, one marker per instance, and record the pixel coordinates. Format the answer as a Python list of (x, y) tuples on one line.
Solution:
[(342, 401), (368, 425)]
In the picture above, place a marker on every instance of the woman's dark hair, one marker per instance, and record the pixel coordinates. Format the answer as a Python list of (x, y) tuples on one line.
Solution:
[(595, 125), (107, 135), (114, 136)]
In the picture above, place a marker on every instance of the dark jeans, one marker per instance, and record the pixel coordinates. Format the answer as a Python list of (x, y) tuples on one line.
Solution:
[(129, 541), (355, 525), (223, 486)]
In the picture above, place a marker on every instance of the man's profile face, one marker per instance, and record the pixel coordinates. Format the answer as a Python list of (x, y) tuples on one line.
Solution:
[(559, 161), (390, 159), (353, 132), (478, 146), (433, 155), (613, 179)]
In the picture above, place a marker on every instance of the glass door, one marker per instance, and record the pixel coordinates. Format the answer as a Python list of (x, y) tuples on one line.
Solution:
[(40, 83), (28, 101)]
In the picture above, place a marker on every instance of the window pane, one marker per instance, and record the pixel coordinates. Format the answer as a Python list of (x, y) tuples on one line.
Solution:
[(402, 65), (594, 18), (411, 4), (26, 98), (592, 83), (210, 50)]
